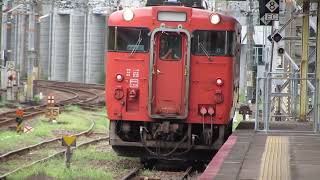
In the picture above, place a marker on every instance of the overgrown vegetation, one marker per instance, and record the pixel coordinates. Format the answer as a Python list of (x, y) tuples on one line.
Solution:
[(236, 120), (69, 122), (87, 163)]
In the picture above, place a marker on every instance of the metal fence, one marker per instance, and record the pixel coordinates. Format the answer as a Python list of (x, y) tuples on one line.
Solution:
[(278, 103)]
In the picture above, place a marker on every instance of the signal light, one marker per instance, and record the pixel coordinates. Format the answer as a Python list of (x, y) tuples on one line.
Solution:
[(119, 78), (280, 51), (214, 18), (219, 82), (128, 14)]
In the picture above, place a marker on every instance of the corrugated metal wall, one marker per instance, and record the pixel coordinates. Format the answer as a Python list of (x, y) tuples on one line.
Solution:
[(60, 47), (45, 47), (72, 44), (95, 49), (76, 48)]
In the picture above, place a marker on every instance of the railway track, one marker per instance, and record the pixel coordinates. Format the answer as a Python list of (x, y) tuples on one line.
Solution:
[(77, 94), (87, 137), (158, 175)]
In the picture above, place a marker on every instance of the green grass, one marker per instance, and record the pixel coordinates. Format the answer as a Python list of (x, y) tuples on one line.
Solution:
[(102, 122), (87, 163), (242, 97), (56, 169), (91, 153), (146, 172), (73, 121), (237, 119)]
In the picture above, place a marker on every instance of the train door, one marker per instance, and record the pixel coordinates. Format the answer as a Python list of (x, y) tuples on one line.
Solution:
[(170, 75)]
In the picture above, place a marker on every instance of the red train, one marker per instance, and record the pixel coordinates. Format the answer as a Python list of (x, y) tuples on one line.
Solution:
[(172, 80)]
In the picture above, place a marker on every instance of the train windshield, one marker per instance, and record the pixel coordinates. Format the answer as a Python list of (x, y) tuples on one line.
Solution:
[(128, 39), (214, 43)]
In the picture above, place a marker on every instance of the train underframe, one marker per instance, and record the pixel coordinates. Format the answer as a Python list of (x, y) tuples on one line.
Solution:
[(168, 140)]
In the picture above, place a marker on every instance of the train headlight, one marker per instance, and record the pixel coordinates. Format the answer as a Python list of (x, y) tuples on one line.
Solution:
[(119, 78), (128, 14), (214, 18), (219, 82)]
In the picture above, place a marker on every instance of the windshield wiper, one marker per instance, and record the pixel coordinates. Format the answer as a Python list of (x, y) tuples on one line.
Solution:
[(205, 51), (136, 45)]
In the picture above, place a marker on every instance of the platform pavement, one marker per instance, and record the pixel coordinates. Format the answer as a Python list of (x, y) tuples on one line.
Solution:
[(249, 155)]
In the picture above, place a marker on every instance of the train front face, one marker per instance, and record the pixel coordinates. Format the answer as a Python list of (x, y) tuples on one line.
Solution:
[(172, 81)]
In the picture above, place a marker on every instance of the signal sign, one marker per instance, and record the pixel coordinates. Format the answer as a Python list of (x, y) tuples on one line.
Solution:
[(272, 5), (52, 112), (269, 11), (50, 99), (19, 113), (69, 141)]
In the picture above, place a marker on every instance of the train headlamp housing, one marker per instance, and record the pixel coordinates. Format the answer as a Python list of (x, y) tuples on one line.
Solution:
[(219, 82), (119, 77), (128, 14), (215, 18)]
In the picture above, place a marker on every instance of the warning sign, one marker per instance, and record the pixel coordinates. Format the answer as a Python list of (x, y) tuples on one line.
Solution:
[(69, 141)]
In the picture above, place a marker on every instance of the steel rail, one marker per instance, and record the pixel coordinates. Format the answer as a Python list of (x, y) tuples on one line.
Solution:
[(60, 103), (60, 153), (32, 147), (186, 173), (131, 174)]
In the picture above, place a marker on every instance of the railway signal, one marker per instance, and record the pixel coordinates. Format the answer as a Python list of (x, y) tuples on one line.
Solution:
[(50, 100), (51, 112), (19, 120), (69, 141)]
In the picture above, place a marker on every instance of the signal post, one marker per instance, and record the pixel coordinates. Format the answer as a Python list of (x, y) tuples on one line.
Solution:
[(304, 60), (19, 120), (52, 112), (318, 65)]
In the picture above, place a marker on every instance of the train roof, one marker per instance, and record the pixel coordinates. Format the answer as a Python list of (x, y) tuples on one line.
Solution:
[(195, 18)]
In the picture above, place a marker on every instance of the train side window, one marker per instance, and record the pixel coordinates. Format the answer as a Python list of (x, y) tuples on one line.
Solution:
[(170, 47), (127, 39)]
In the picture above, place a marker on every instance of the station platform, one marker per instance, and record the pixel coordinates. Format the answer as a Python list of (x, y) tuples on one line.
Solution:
[(251, 155)]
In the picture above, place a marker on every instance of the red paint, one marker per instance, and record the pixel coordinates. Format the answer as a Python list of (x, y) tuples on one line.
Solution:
[(169, 82), (169, 86), (217, 161)]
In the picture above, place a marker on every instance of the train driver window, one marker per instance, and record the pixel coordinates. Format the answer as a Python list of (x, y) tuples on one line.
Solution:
[(170, 47), (128, 39), (213, 43)]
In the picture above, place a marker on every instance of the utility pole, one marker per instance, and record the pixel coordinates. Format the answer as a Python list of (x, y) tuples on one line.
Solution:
[(251, 64), (304, 60), (318, 66), (31, 52), (1, 60)]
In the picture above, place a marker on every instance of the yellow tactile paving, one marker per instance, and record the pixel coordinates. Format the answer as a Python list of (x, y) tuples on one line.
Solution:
[(275, 159)]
